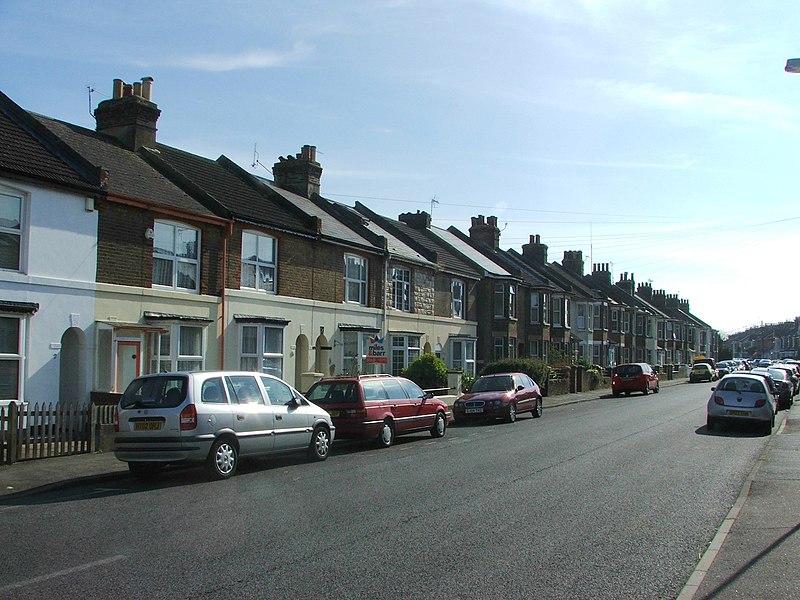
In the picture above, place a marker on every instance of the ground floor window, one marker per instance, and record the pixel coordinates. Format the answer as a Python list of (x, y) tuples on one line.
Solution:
[(11, 336), (178, 348), (462, 356), (355, 345), (405, 349), (261, 349)]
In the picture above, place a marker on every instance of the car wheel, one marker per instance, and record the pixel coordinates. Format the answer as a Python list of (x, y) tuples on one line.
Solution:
[(616, 394), (320, 443), (144, 470), (439, 425), (655, 391), (386, 435), (646, 389), (512, 412), (537, 412), (222, 460), (767, 428), (710, 424), (627, 393)]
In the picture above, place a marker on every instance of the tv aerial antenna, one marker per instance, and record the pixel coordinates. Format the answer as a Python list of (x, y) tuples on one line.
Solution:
[(257, 162)]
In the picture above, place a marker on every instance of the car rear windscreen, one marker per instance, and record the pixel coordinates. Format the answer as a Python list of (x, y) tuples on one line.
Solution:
[(166, 391), (332, 392), (628, 370)]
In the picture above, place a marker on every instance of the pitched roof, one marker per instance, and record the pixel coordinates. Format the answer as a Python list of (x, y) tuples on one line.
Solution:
[(224, 186), (29, 151), (129, 176), (459, 243)]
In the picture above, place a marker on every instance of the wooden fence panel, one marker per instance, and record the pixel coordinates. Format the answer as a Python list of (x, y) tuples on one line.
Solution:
[(44, 430)]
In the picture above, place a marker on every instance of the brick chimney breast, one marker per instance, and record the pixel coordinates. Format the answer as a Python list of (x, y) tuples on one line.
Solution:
[(300, 174), (573, 262), (130, 115)]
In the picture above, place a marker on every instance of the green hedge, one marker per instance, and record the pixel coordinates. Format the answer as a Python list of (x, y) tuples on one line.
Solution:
[(538, 370), (428, 372)]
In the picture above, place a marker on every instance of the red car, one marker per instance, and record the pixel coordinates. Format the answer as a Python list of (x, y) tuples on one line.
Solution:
[(379, 407), (634, 377), (499, 396)]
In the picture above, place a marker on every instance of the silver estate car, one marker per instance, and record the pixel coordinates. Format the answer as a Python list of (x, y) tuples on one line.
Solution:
[(741, 398), (213, 417)]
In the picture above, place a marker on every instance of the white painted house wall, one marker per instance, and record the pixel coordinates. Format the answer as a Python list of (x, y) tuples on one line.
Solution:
[(59, 264)]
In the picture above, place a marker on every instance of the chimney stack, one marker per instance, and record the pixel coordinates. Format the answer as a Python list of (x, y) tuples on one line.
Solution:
[(300, 174), (627, 284), (419, 220), (130, 115), (573, 262), (486, 231), (535, 252)]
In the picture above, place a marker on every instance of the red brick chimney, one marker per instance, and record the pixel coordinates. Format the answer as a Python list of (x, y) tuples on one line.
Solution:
[(130, 115), (300, 174)]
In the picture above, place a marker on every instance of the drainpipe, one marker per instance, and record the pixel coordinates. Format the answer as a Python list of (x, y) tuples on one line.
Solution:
[(224, 298)]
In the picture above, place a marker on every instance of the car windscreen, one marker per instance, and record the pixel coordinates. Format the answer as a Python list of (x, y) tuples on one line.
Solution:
[(332, 392), (503, 383), (627, 370), (167, 391)]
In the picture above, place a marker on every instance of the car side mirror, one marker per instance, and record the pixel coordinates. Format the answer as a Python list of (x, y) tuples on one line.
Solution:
[(713, 387), (427, 395), (520, 388)]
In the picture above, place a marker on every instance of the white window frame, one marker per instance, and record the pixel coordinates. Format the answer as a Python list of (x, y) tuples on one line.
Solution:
[(174, 259), (567, 320), (462, 355), (498, 348), (499, 300), (512, 301), (401, 288), (558, 304), (458, 303), (535, 314), (581, 316), (17, 356), (258, 357), (405, 349), (20, 232), (166, 351), (614, 319), (261, 265), (545, 310), (356, 275)]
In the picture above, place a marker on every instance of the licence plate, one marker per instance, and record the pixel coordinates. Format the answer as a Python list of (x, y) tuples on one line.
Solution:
[(473, 410), (147, 426), (333, 413), (739, 413)]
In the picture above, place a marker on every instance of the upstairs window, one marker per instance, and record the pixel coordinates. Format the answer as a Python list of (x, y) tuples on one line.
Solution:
[(558, 303), (614, 319), (457, 291), (401, 289), (259, 262), (512, 302), (535, 308), (10, 231), (355, 279), (175, 256), (499, 300)]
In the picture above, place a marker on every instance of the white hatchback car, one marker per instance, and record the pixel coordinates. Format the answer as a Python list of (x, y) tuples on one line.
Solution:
[(741, 398), (214, 417)]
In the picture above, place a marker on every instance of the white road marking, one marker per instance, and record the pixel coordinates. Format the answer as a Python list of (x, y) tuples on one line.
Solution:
[(84, 567)]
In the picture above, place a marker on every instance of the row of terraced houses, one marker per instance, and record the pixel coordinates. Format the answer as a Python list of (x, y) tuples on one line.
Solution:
[(120, 255)]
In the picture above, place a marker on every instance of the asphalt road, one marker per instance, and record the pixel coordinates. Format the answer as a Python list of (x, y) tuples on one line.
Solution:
[(609, 499)]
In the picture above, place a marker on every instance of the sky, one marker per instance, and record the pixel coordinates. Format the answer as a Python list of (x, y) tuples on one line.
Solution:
[(658, 136)]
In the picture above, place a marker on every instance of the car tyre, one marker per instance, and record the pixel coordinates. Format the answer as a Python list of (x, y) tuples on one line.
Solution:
[(710, 424), (439, 425), (537, 412), (646, 389), (658, 389), (320, 445), (512, 412), (144, 470), (222, 460), (386, 434)]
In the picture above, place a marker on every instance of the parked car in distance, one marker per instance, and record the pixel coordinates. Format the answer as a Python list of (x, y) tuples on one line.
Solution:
[(634, 377), (499, 396), (702, 372), (380, 407), (214, 417), (724, 367), (782, 383), (741, 398)]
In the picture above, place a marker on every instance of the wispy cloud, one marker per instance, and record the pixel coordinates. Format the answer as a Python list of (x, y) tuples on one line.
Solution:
[(251, 59), (700, 105)]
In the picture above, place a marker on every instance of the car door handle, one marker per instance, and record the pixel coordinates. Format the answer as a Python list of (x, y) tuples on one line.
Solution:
[(240, 417), (278, 417)]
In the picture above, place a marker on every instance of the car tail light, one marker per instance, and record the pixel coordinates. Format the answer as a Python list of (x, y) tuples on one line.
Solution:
[(761, 402), (116, 419), (719, 400), (188, 417)]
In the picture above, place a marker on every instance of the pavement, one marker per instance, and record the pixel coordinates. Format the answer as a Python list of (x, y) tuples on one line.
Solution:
[(752, 556)]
